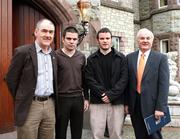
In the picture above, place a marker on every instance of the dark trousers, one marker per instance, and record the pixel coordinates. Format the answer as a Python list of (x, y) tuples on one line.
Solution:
[(70, 109), (138, 123)]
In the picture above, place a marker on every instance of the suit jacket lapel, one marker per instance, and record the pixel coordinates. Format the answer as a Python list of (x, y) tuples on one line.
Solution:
[(54, 64), (34, 59), (148, 64), (135, 60)]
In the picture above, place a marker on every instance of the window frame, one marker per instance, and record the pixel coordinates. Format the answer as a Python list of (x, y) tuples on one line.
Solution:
[(159, 4), (167, 47), (116, 46), (178, 2), (115, 0)]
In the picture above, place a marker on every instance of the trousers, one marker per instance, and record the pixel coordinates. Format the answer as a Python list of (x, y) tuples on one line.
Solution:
[(40, 122), (70, 109), (113, 115)]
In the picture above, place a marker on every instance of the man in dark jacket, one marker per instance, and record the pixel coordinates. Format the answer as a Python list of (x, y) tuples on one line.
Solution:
[(106, 77), (31, 79), (148, 85)]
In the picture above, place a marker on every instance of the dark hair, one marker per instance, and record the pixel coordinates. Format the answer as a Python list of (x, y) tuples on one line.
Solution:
[(70, 29), (103, 30)]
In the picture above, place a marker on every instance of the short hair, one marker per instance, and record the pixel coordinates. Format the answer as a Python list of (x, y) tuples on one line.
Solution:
[(147, 30), (70, 29), (38, 24), (103, 30)]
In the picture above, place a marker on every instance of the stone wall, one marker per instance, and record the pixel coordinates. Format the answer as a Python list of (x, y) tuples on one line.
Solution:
[(144, 9), (120, 22), (136, 21), (167, 22), (136, 10), (162, 22), (126, 3), (136, 29)]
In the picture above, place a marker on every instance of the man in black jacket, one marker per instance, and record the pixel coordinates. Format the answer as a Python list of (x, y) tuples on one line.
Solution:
[(106, 77)]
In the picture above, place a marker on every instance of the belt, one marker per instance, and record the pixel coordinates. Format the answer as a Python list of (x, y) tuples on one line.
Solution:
[(42, 98)]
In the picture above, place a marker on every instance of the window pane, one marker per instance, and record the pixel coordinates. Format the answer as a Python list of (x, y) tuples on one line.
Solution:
[(163, 3), (116, 42), (164, 46), (115, 0)]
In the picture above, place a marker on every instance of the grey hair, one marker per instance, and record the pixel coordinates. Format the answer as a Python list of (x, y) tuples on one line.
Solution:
[(38, 24), (145, 29)]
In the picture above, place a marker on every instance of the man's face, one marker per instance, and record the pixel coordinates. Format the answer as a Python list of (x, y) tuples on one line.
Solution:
[(70, 41), (104, 41), (145, 41), (44, 34)]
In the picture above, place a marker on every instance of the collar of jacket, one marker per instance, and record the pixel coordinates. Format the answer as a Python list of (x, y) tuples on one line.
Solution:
[(115, 53)]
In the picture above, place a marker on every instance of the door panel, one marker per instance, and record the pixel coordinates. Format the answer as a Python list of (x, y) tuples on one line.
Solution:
[(6, 103), (25, 17)]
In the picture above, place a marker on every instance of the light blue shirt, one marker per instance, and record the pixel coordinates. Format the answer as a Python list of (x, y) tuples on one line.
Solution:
[(44, 86)]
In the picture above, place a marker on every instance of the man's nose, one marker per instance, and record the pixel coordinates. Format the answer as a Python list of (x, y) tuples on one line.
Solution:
[(71, 41), (48, 33), (105, 40)]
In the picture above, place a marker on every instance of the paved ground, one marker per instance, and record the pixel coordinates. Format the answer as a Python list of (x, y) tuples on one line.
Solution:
[(168, 133)]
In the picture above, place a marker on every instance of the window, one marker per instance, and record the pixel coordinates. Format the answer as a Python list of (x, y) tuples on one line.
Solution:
[(163, 3), (164, 46), (179, 44), (178, 1), (116, 42), (115, 0)]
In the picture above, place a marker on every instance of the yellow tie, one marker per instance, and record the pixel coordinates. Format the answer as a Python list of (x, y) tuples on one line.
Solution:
[(140, 71)]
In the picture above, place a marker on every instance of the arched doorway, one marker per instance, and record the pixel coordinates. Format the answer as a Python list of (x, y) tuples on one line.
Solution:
[(25, 17)]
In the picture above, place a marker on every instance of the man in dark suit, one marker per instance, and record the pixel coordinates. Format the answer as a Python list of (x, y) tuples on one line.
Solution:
[(148, 85), (31, 79)]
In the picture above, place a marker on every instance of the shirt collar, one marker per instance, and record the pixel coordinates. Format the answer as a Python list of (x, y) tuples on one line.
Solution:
[(114, 51), (146, 53), (39, 49)]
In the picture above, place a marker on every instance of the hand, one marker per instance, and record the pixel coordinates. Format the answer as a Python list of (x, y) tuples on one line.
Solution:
[(158, 114), (86, 105), (126, 109), (105, 98)]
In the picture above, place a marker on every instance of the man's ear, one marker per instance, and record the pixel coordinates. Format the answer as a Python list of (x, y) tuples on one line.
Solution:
[(35, 32), (63, 39), (97, 40)]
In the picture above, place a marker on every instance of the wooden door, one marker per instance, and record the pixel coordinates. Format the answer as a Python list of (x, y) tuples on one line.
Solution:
[(25, 17), (6, 103)]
